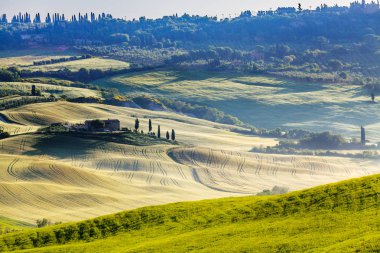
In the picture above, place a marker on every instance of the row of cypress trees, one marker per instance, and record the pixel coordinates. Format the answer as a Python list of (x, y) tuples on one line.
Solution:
[(168, 136), (26, 18)]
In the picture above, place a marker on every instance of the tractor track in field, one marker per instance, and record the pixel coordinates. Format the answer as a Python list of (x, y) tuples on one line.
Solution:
[(135, 167), (180, 172), (150, 172), (42, 199), (10, 169)]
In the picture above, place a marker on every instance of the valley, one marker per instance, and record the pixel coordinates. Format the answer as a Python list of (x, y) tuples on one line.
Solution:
[(52, 172), (250, 132)]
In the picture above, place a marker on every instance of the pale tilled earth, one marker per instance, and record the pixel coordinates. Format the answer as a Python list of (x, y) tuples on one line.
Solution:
[(70, 178)]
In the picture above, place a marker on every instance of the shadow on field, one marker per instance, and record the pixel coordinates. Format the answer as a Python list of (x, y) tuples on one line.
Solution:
[(63, 147)]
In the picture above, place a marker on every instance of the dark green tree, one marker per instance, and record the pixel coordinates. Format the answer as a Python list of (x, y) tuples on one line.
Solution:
[(299, 7), (173, 135), (34, 93), (335, 65), (48, 19), (83, 75), (137, 124), (6, 76), (167, 135), (159, 132), (3, 134), (150, 125), (4, 19)]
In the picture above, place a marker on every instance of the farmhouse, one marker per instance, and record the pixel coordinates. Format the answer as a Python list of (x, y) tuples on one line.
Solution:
[(109, 125)]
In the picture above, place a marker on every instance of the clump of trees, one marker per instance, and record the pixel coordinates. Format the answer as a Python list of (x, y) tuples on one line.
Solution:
[(3, 134), (43, 223), (276, 190), (63, 59), (11, 74), (324, 140)]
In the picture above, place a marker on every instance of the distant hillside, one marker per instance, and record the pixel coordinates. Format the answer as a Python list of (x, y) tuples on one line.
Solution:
[(327, 44), (341, 217)]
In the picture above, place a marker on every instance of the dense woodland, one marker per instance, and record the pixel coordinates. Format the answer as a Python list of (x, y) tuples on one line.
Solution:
[(327, 44)]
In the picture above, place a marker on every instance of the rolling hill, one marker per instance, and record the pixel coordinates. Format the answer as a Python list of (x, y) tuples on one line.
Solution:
[(47, 89), (69, 178), (341, 217), (263, 101), (24, 59)]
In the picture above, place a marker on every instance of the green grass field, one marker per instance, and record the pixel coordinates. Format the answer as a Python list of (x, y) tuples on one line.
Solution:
[(262, 100), (7, 224), (341, 217), (25, 58)]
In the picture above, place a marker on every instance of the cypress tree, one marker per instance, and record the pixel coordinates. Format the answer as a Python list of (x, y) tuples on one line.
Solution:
[(167, 135), (4, 19), (173, 135), (37, 19), (48, 19), (150, 125), (33, 90), (137, 124), (159, 132)]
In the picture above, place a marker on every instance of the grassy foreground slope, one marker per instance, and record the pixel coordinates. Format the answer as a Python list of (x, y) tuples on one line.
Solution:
[(262, 100), (7, 224), (341, 217)]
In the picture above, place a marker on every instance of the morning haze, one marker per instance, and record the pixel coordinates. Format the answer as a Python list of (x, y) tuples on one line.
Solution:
[(189, 133), (151, 8)]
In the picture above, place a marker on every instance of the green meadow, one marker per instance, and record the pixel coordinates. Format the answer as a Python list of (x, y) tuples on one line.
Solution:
[(8, 224), (341, 217), (24, 59)]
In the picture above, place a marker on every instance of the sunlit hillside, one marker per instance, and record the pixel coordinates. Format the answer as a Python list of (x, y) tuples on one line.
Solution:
[(340, 217)]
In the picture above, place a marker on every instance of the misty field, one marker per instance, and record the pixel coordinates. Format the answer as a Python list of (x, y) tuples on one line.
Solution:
[(263, 101)]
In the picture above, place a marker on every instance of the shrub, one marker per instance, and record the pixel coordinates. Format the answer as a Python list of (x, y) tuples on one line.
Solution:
[(324, 140), (275, 191)]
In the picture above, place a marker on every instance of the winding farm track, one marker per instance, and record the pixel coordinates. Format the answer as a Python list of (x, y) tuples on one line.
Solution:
[(72, 179)]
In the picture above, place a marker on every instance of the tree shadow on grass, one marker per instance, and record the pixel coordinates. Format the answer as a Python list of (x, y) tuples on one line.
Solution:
[(62, 146)]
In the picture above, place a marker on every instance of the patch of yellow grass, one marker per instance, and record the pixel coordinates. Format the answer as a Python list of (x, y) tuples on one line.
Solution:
[(50, 89), (91, 63)]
